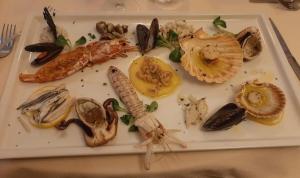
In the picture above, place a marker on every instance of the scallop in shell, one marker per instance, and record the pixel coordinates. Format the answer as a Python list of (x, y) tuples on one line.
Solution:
[(250, 41), (261, 101), (212, 59)]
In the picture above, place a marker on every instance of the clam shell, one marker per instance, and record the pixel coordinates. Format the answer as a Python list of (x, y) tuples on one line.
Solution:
[(268, 101), (226, 65), (250, 41)]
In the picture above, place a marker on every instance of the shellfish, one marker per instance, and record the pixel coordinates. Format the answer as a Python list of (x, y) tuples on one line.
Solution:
[(147, 37), (250, 41), (263, 101), (149, 127), (99, 125), (227, 116), (211, 59)]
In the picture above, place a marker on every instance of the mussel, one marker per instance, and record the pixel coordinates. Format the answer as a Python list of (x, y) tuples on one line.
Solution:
[(99, 125), (50, 22), (147, 38), (226, 117), (250, 41), (48, 52)]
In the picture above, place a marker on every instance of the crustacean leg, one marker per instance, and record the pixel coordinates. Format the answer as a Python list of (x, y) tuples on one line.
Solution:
[(150, 129)]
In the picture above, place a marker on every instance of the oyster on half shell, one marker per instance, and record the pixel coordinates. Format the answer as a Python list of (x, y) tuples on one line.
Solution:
[(262, 101), (212, 59)]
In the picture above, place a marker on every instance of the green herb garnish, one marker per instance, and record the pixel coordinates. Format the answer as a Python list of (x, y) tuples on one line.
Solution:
[(116, 106), (133, 128), (219, 22), (92, 36), (127, 119), (220, 25), (80, 41), (175, 55), (152, 107), (171, 42), (62, 41)]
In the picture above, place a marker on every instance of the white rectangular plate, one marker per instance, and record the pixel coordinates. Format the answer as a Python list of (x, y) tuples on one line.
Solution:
[(270, 66)]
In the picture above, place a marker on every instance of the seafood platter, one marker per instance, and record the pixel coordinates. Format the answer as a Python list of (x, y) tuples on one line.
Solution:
[(112, 84)]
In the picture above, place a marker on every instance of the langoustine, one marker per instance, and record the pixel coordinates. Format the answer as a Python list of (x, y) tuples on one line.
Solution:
[(70, 62), (151, 130)]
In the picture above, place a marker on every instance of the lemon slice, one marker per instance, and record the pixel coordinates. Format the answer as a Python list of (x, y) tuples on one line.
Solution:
[(60, 114)]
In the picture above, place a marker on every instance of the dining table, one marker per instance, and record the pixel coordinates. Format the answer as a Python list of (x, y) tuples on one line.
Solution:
[(275, 162)]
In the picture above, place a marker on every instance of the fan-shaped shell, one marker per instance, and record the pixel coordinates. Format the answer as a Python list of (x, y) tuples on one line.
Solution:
[(261, 100), (211, 59)]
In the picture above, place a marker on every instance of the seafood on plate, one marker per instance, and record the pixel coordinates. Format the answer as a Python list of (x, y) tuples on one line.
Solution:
[(263, 102), (194, 109), (70, 62), (250, 41), (147, 37), (47, 106), (109, 31), (48, 48), (48, 51), (226, 117), (99, 124), (213, 59), (152, 77), (149, 127)]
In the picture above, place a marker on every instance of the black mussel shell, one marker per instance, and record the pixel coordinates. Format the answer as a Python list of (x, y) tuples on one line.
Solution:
[(143, 35), (40, 60), (154, 29), (229, 115), (42, 47), (50, 22), (147, 38)]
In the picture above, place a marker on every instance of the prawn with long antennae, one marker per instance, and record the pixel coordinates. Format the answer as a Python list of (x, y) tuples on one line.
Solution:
[(150, 129)]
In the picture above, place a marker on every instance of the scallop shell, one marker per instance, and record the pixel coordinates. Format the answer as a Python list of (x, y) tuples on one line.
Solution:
[(227, 54), (261, 100)]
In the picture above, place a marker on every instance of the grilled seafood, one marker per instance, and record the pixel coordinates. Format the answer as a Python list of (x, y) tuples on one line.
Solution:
[(99, 125), (224, 118), (264, 102), (47, 106), (70, 62), (151, 130)]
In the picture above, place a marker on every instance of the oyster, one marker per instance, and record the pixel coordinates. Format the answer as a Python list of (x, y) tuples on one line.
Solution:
[(261, 100), (229, 115), (250, 41), (211, 59), (99, 125)]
